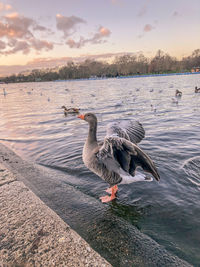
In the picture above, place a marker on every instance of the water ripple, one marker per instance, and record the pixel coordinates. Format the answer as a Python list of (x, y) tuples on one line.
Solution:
[(33, 124)]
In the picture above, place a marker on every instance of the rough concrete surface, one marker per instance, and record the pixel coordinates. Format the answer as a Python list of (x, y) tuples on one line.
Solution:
[(31, 234)]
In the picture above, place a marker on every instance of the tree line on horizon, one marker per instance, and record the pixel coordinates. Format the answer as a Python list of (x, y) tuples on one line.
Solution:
[(125, 65)]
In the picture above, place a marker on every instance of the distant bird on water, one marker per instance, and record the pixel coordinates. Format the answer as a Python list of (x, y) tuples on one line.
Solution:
[(153, 108), (70, 110), (119, 104), (197, 90), (178, 93), (115, 160), (4, 92)]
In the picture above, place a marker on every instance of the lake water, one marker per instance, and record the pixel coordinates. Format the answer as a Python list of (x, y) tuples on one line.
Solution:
[(33, 125)]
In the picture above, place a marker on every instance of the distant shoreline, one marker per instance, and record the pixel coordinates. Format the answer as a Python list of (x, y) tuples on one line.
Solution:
[(130, 76), (159, 74), (118, 77)]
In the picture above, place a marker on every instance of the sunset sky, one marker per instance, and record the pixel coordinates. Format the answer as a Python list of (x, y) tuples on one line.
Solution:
[(45, 33)]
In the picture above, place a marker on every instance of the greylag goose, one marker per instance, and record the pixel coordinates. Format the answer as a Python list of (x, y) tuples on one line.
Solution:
[(116, 159), (70, 110), (178, 93)]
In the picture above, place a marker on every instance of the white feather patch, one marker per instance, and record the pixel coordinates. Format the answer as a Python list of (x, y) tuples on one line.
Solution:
[(138, 177)]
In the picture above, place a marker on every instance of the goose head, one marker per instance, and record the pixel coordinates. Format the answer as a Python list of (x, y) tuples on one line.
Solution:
[(89, 117)]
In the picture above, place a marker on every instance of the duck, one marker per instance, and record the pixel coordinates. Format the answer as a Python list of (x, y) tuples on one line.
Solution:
[(197, 90), (178, 93), (116, 158), (70, 110)]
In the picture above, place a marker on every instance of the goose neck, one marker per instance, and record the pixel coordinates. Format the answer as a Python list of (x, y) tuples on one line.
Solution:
[(92, 137)]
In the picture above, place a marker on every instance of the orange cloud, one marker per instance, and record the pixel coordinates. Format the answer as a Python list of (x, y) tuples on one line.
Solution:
[(12, 15), (104, 32), (4, 7)]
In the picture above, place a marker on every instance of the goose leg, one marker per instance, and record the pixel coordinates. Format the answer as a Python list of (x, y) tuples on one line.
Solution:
[(109, 190), (109, 198)]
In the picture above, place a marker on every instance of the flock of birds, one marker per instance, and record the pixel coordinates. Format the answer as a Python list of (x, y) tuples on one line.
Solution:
[(74, 110), (178, 94), (175, 99)]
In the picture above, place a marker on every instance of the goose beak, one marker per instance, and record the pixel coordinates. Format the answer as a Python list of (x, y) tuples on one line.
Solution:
[(81, 116)]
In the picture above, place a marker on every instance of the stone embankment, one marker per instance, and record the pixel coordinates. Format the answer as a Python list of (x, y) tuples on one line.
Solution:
[(31, 234)]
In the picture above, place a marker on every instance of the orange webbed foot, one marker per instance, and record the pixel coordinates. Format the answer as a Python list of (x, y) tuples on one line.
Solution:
[(114, 188), (111, 191), (105, 199)]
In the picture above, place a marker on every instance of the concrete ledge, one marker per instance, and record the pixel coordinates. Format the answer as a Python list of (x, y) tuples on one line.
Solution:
[(33, 235)]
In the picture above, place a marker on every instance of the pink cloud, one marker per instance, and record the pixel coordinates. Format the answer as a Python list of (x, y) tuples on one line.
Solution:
[(2, 45), (19, 31), (41, 44), (68, 24), (97, 38), (5, 7), (14, 46), (148, 28), (73, 44), (22, 46), (16, 26)]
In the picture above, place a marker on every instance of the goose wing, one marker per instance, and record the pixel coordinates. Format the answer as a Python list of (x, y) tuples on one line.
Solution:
[(128, 129), (119, 154)]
